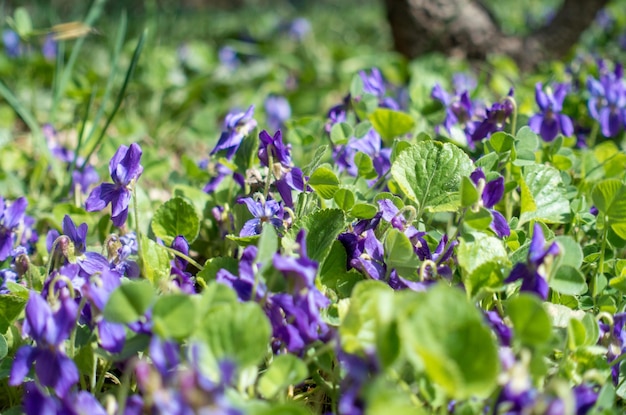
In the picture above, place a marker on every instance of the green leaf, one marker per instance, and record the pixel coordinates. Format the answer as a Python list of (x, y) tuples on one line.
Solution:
[(391, 124), (543, 195), (482, 259), (174, 316), (446, 333), (364, 211), (365, 166), (479, 220), (430, 174), (324, 182), (23, 24), (609, 196), (213, 265), (368, 324), (154, 261), (469, 193), (237, 331), (322, 227), (501, 142), (176, 217), (333, 272), (285, 370), (344, 198), (268, 244), (399, 254), (129, 302), (340, 133), (11, 307), (571, 252), (568, 280), (4, 347), (531, 323)]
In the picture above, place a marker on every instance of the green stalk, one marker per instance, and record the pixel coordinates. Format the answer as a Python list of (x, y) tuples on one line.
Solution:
[(120, 97), (40, 145), (117, 51), (80, 140), (94, 13)]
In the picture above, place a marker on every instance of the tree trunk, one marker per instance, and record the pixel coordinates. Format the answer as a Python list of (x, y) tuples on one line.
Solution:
[(465, 27)]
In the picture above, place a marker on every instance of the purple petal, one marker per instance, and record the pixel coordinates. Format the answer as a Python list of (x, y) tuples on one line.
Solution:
[(499, 224), (251, 228), (567, 128), (549, 129), (15, 213), (56, 370), (493, 192), (22, 362), (541, 97), (537, 245), (38, 314), (128, 167)]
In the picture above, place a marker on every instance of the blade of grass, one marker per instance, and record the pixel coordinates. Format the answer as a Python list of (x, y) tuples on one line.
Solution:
[(80, 140), (117, 51), (40, 146), (94, 13), (120, 96)]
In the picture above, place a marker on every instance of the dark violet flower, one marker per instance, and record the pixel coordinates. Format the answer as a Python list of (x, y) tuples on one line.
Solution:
[(245, 281), (459, 110), (49, 48), (278, 111), (119, 250), (585, 397), (533, 273), (491, 193), (274, 146), (12, 43), (228, 57), (613, 337), (549, 122), (237, 125), (374, 84), (501, 330), (49, 329), (298, 28), (358, 370), (337, 114), (607, 103), (11, 218), (125, 169), (181, 278), (495, 118), (263, 212), (76, 252), (370, 144)]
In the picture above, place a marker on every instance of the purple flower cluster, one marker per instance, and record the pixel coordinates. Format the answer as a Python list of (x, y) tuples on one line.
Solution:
[(370, 144), (607, 103), (15, 47), (172, 382), (491, 193), (294, 313), (550, 122), (366, 252), (476, 121)]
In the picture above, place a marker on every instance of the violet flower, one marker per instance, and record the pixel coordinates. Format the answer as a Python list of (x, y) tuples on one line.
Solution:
[(237, 125), (36, 402), (274, 146), (370, 144), (49, 48), (607, 103), (278, 111), (50, 329), (12, 43), (125, 169), (614, 339), (374, 84), (533, 272), (76, 253), (549, 122), (11, 218), (495, 118), (459, 110), (491, 193), (269, 212), (181, 278)]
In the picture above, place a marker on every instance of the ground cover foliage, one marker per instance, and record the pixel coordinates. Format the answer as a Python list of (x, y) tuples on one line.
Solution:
[(288, 219)]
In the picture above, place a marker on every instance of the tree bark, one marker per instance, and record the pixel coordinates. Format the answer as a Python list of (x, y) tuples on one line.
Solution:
[(467, 28)]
